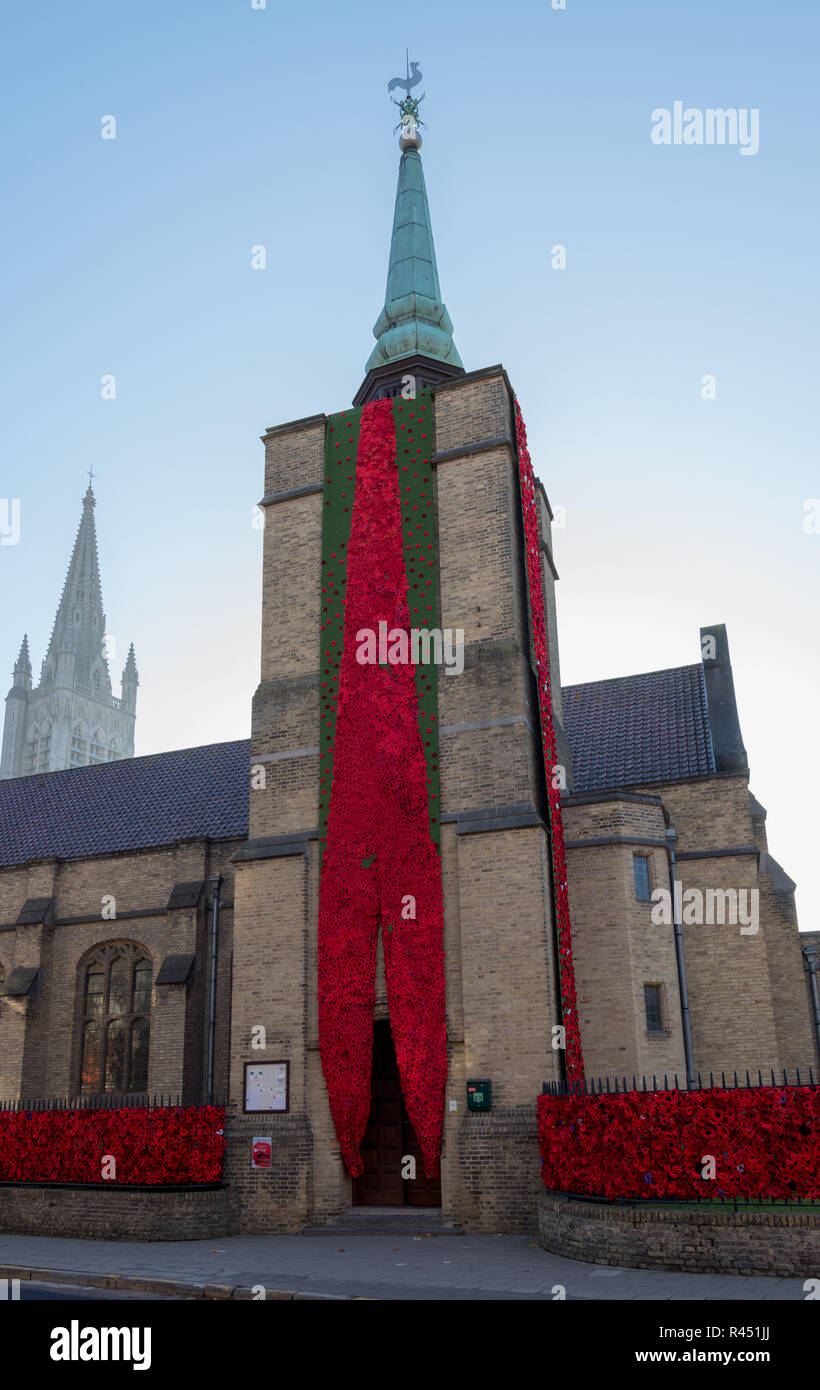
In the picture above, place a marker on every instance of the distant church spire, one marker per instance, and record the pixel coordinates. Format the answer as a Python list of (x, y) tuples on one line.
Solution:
[(72, 717), (414, 332), (77, 652)]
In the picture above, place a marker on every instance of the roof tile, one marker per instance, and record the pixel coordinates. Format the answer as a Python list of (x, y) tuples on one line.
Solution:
[(134, 803), (635, 730)]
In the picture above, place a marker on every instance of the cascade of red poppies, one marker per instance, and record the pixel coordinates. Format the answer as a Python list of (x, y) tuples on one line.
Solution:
[(380, 865), (566, 973)]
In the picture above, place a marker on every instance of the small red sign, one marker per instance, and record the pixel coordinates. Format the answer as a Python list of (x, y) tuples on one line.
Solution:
[(261, 1153)]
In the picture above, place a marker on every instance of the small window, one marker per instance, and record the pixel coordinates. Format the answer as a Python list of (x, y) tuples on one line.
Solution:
[(31, 750), (44, 749), (640, 865), (79, 747), (654, 1008)]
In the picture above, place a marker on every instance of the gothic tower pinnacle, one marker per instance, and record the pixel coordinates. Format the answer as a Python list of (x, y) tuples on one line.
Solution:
[(22, 667)]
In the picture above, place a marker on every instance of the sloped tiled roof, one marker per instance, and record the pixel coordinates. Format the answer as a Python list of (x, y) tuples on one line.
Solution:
[(131, 804), (638, 729), (624, 732)]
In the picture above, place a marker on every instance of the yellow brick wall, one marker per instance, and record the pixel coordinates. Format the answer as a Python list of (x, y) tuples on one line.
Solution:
[(39, 1036)]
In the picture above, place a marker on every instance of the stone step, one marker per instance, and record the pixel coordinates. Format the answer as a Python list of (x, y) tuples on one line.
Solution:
[(398, 1221)]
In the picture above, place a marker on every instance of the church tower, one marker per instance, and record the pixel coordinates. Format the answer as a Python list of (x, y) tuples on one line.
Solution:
[(72, 718), (401, 904)]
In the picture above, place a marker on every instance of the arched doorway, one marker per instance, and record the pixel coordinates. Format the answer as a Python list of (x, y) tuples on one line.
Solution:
[(390, 1139)]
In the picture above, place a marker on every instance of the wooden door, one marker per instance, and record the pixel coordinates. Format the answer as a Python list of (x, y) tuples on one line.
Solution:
[(389, 1138)]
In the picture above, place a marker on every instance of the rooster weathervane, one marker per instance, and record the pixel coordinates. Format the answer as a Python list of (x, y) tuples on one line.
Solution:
[(410, 138)]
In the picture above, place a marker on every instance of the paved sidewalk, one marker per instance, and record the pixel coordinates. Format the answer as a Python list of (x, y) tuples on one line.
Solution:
[(368, 1266)]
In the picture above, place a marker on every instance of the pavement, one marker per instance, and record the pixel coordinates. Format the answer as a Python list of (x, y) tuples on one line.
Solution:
[(348, 1265)]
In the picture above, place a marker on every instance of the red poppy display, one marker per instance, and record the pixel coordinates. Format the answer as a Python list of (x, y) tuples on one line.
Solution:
[(765, 1142), (378, 791), (569, 1005), (174, 1144)]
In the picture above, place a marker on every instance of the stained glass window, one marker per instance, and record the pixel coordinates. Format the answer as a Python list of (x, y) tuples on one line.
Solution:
[(115, 1019)]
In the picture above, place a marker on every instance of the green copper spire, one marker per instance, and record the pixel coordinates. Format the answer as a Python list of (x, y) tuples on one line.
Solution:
[(414, 321)]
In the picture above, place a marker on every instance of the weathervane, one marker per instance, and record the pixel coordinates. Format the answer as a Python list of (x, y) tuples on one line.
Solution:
[(91, 475), (410, 139)]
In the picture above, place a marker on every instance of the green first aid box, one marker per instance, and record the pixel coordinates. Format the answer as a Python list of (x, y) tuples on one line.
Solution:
[(479, 1095)]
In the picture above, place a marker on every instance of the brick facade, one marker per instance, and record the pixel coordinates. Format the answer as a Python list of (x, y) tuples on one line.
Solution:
[(748, 993), (39, 1033)]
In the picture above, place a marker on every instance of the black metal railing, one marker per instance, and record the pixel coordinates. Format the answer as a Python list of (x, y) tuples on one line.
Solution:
[(110, 1101), (603, 1086)]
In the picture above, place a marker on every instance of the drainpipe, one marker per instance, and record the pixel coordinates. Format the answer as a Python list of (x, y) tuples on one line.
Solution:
[(688, 1053), (214, 882), (810, 954)]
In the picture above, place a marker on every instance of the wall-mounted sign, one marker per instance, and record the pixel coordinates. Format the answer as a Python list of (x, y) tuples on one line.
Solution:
[(261, 1152), (479, 1095), (266, 1087)]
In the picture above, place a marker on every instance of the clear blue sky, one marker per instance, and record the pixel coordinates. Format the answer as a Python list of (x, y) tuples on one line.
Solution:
[(238, 127)]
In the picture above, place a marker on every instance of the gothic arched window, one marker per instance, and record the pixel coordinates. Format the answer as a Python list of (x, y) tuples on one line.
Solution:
[(44, 748), (31, 749), (98, 746), (115, 1019), (79, 747)]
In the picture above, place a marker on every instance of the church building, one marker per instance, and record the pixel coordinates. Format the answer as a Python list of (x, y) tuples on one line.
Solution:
[(432, 880), (71, 718)]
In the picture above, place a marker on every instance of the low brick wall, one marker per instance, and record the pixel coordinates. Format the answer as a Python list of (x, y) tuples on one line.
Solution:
[(117, 1213), (276, 1198), (704, 1242), (497, 1181)]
